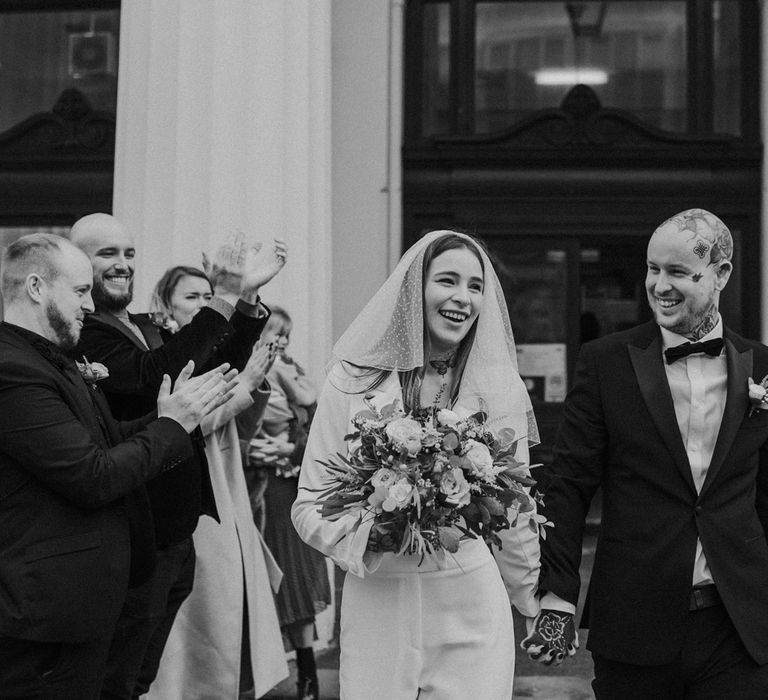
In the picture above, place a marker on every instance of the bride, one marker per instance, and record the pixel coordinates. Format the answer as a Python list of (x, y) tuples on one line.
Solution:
[(437, 333)]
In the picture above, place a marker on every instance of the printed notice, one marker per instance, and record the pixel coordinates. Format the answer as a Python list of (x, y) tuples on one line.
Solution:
[(542, 367)]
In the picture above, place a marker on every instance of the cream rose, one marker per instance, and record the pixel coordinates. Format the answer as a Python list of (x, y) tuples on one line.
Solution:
[(383, 477), (400, 496), (405, 433), (447, 418), (479, 458), (454, 487)]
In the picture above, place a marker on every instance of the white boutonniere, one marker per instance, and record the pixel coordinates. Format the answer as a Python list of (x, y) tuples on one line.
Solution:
[(163, 321), (92, 372), (758, 395)]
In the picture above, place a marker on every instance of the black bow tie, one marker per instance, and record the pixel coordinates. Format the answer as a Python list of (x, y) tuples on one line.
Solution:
[(710, 347)]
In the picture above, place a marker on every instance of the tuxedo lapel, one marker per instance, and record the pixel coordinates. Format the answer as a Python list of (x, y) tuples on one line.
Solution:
[(736, 405), (110, 320), (648, 365), (148, 329)]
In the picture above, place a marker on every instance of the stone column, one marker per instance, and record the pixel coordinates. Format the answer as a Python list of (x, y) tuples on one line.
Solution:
[(224, 123)]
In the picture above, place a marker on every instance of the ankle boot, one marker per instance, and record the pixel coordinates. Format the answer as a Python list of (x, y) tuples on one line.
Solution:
[(307, 687)]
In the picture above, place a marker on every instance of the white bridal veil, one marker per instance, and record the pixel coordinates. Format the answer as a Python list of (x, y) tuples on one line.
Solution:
[(388, 334)]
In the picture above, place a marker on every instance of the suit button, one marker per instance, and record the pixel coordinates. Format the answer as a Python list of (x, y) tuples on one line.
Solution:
[(698, 510)]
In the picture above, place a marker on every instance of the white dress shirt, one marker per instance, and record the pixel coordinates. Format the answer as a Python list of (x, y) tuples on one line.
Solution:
[(698, 385)]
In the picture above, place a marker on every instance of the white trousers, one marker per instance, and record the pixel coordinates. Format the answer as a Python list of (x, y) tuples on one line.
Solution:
[(443, 634)]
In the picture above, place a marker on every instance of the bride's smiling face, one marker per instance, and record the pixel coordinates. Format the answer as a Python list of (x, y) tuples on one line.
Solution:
[(453, 297)]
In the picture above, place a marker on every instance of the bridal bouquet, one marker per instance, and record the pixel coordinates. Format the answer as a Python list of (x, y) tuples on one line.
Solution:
[(429, 479)]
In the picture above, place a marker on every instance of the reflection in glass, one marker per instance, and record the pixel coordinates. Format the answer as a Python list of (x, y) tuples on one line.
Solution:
[(535, 286), (436, 66), (530, 54), (44, 53)]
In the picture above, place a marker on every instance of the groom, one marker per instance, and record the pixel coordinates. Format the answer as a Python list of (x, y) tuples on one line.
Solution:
[(659, 417)]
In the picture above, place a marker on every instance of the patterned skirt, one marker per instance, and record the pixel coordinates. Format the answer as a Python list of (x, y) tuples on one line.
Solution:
[(305, 590)]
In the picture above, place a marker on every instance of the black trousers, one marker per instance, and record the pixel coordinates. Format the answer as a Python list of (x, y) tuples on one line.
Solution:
[(51, 670), (145, 623), (712, 665)]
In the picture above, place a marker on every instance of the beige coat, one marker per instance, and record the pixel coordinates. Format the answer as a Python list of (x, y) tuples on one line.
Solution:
[(202, 656)]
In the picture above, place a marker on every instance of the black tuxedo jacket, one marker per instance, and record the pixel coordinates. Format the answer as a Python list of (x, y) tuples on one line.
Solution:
[(65, 466), (620, 432), (177, 498)]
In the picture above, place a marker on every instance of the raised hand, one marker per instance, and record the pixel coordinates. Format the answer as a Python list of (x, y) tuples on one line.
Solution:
[(553, 637), (225, 269), (193, 398), (260, 265), (240, 268)]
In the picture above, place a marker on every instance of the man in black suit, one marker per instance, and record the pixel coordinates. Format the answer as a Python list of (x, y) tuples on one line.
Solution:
[(137, 353), (65, 467), (660, 418)]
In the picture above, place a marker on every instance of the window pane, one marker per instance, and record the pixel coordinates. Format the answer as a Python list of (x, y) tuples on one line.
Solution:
[(727, 67), (44, 53), (529, 54), (535, 286), (436, 66)]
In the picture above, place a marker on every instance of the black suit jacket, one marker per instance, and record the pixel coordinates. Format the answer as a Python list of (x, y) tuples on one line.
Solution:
[(177, 498), (65, 466), (620, 432)]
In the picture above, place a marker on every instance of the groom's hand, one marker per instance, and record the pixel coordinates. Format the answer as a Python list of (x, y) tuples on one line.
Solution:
[(553, 637)]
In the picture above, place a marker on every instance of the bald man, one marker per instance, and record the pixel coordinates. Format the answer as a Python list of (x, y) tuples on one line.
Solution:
[(138, 353), (660, 418), (66, 467)]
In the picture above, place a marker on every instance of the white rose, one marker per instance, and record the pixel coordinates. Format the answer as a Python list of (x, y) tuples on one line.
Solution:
[(479, 458), (455, 487), (383, 477), (447, 418), (405, 433), (400, 496)]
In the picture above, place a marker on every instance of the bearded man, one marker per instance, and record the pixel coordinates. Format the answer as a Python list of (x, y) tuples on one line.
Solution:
[(131, 347), (660, 418), (66, 467)]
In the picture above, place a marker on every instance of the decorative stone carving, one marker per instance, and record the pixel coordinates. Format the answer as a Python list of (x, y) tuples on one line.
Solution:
[(72, 129)]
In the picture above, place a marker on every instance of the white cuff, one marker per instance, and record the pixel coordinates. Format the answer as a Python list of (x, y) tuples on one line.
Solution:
[(550, 601)]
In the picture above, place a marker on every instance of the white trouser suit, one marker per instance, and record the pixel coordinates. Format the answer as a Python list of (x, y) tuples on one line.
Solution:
[(441, 630)]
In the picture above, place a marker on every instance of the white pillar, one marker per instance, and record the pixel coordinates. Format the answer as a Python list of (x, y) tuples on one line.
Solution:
[(367, 118), (224, 123)]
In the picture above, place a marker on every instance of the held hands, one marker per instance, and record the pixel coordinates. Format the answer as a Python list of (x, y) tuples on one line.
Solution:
[(551, 637), (193, 398)]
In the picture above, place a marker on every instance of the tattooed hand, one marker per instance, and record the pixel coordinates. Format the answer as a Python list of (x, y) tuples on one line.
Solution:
[(552, 638)]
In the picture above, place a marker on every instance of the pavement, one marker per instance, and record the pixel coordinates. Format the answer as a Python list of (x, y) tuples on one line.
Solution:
[(569, 681), (536, 687)]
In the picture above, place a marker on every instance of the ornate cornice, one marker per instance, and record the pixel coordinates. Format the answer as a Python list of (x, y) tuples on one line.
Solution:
[(582, 121), (71, 130)]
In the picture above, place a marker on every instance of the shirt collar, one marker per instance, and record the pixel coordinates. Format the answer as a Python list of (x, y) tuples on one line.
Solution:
[(670, 339)]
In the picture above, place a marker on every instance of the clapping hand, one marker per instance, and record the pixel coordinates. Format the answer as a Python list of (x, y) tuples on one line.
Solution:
[(261, 264), (552, 637), (240, 268), (266, 450), (193, 398), (255, 370)]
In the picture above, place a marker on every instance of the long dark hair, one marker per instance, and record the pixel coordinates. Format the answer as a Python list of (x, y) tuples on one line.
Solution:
[(410, 380)]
